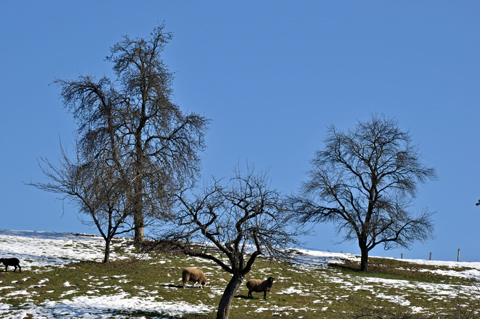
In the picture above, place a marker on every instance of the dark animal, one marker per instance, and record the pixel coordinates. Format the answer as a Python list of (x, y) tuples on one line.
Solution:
[(11, 262), (256, 285)]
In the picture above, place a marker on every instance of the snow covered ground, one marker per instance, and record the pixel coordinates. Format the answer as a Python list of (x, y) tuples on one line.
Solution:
[(48, 249)]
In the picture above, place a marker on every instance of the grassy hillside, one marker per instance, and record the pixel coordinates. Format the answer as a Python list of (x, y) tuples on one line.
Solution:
[(391, 289)]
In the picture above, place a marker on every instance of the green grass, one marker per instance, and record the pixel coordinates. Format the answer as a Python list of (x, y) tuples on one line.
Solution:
[(398, 269), (337, 291)]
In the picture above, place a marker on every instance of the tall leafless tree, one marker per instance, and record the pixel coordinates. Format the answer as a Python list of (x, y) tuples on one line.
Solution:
[(364, 182), (243, 220), (152, 145), (162, 143)]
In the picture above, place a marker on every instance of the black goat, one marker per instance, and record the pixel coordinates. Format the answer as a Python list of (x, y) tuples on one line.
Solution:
[(11, 262)]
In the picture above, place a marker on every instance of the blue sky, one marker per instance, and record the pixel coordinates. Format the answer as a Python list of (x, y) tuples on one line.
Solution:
[(272, 76)]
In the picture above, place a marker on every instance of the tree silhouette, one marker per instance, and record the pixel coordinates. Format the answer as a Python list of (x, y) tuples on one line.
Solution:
[(364, 183)]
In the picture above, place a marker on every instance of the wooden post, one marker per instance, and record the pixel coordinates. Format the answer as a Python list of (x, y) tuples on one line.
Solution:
[(401, 256), (458, 255), (430, 258)]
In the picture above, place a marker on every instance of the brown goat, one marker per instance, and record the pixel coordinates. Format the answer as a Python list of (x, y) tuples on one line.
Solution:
[(256, 285)]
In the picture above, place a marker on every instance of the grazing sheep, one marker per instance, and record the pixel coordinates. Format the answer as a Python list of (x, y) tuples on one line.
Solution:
[(195, 275), (11, 262), (256, 285)]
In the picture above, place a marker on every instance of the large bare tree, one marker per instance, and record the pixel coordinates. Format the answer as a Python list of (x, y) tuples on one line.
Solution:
[(152, 145), (162, 142), (364, 182), (243, 220)]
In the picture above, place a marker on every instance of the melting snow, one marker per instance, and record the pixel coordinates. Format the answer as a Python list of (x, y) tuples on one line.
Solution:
[(47, 249)]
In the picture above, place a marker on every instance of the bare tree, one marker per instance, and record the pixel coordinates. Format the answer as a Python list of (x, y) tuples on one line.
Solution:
[(161, 140), (96, 188), (242, 220), (364, 182), (153, 145), (98, 178)]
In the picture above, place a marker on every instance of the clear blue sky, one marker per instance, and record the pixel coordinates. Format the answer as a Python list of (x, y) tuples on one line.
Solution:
[(272, 75)]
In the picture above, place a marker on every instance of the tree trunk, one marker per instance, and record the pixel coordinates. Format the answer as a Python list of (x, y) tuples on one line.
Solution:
[(139, 228), (364, 259), (228, 294), (107, 250), (138, 218)]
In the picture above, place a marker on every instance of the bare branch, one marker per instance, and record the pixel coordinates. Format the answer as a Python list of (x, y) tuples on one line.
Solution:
[(243, 219)]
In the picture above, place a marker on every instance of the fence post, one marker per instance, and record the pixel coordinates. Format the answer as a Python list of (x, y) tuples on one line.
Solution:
[(430, 258), (401, 256), (458, 255)]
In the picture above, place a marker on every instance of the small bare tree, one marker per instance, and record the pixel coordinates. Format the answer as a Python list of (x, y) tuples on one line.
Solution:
[(242, 220), (364, 182), (96, 188), (98, 178)]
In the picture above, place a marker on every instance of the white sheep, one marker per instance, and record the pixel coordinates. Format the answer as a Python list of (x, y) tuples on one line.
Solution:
[(195, 275), (256, 285)]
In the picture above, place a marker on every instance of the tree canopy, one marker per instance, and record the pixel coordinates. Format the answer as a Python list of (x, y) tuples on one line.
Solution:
[(364, 182)]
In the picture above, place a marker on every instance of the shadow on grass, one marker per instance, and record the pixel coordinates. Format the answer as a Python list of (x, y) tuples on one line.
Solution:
[(174, 286), (144, 314), (180, 286), (346, 267), (393, 270), (9, 271), (248, 298)]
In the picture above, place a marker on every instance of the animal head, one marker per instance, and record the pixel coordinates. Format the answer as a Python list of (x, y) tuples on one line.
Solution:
[(270, 282)]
